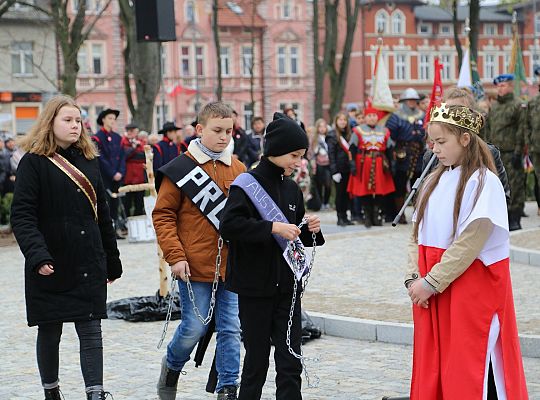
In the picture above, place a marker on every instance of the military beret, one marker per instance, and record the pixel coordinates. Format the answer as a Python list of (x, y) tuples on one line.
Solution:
[(503, 78)]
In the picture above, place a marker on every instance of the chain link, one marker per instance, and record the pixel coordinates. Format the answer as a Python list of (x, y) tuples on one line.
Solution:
[(215, 283), (169, 312), (301, 356)]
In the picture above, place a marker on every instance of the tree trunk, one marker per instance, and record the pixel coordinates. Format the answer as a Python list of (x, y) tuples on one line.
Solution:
[(5, 5), (140, 64), (338, 76), (456, 31), (215, 28), (317, 64), (474, 17)]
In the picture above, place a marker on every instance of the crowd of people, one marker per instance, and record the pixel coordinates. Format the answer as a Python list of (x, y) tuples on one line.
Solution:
[(367, 160)]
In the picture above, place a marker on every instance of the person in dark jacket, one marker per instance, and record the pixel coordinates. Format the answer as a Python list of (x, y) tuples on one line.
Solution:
[(112, 162), (135, 174), (241, 141), (257, 269), (167, 149), (340, 157), (62, 224)]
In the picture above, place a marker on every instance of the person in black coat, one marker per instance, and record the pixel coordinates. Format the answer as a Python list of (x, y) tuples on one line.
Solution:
[(257, 269), (340, 161), (64, 230), (112, 161)]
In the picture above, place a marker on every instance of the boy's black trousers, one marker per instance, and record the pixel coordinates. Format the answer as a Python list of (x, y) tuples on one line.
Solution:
[(263, 318)]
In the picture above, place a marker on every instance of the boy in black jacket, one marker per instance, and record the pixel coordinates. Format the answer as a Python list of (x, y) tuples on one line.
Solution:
[(257, 269)]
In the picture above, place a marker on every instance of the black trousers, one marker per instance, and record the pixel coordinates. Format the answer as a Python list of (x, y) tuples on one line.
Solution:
[(112, 202), (135, 200), (90, 350), (323, 180), (262, 319), (492, 389), (342, 196)]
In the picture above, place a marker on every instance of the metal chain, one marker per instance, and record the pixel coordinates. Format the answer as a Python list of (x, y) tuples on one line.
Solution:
[(169, 312), (205, 321), (301, 356)]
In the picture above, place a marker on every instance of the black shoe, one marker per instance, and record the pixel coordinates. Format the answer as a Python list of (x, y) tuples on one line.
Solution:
[(227, 393), (341, 222), (347, 222), (53, 394), (368, 213), (98, 395), (514, 221)]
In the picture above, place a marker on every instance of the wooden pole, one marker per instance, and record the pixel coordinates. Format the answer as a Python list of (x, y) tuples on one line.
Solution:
[(163, 270)]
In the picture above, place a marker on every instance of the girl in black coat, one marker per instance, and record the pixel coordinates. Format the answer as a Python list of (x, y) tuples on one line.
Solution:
[(62, 224), (340, 160), (257, 270)]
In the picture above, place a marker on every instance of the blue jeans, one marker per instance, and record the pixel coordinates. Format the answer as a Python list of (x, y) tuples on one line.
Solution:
[(191, 329)]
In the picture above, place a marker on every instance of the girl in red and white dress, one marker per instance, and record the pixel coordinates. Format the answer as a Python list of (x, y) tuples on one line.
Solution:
[(466, 343), (370, 171)]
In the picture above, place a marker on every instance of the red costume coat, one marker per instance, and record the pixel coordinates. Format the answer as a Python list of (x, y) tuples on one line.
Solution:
[(371, 178)]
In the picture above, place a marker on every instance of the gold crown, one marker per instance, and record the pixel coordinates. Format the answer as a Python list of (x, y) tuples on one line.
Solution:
[(461, 116)]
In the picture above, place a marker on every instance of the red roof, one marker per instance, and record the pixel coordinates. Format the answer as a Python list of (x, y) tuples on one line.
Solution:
[(239, 13)]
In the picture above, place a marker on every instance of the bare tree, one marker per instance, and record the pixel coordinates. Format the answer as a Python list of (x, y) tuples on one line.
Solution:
[(320, 65), (140, 65), (215, 28), (474, 18), (338, 71), (5, 5), (71, 32), (455, 23)]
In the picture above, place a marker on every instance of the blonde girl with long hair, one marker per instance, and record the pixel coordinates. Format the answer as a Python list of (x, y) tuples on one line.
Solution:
[(62, 224), (466, 344)]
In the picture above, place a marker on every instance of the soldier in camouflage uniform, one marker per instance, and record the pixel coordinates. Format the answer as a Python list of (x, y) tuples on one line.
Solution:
[(505, 128), (533, 131)]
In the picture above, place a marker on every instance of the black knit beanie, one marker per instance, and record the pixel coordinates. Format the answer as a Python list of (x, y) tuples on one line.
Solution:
[(283, 136)]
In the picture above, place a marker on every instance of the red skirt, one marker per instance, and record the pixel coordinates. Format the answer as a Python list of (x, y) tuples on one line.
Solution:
[(451, 336), (359, 184)]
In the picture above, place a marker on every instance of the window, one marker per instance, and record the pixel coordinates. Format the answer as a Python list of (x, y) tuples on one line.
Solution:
[(489, 66), (398, 22), (184, 60), (446, 71), (537, 23), (286, 9), (248, 114), (490, 29), (97, 57), (381, 21), (22, 59), (159, 115), (282, 58), (288, 60), (400, 67), (199, 60), (424, 29), (446, 29), (91, 58), (91, 6), (225, 57), (190, 11), (535, 62), (163, 61), (247, 60), (424, 67), (506, 61), (507, 29)]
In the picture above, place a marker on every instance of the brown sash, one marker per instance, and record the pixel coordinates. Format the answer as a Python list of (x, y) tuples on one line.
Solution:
[(78, 177)]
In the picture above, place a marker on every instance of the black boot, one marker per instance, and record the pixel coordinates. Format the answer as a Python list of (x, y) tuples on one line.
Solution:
[(514, 220), (368, 214), (227, 393), (53, 394), (98, 395), (377, 220)]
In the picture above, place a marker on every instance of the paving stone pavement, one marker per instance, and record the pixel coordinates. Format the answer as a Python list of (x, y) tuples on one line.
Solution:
[(357, 273)]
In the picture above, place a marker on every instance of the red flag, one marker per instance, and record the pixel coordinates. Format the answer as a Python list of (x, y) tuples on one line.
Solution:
[(179, 89), (437, 91)]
